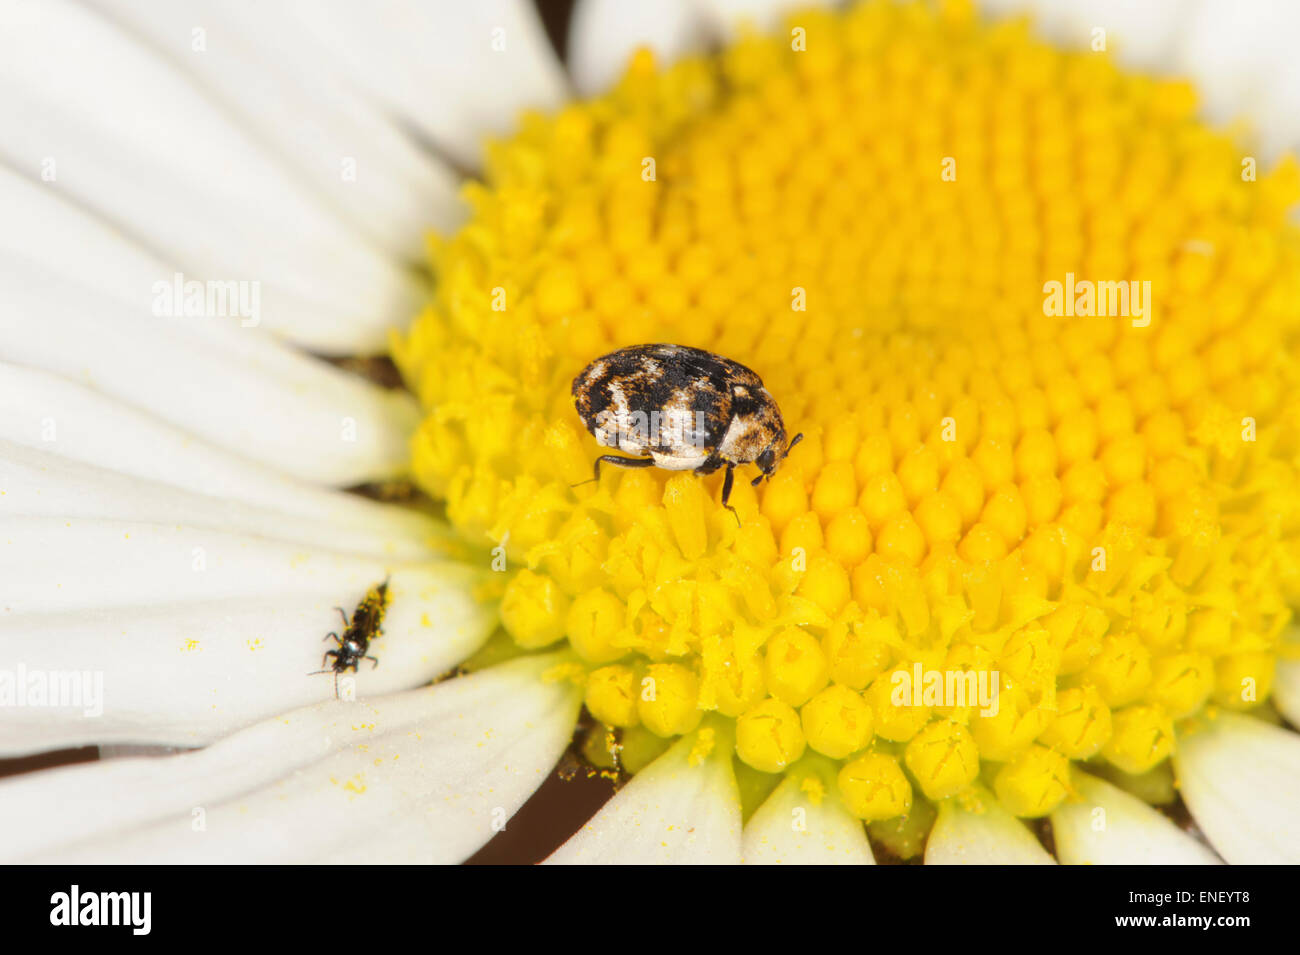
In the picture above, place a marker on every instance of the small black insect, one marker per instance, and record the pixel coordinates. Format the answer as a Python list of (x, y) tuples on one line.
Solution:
[(366, 624), (681, 409)]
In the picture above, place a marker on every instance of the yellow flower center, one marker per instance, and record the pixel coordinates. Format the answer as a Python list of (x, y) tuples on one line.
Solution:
[(1029, 524)]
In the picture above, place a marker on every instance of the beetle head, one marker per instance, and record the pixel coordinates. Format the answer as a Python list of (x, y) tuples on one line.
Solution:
[(772, 456)]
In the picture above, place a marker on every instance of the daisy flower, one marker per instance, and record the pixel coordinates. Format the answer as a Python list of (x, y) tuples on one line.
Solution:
[(1022, 593)]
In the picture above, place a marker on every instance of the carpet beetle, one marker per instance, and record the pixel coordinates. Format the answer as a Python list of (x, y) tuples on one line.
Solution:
[(681, 409)]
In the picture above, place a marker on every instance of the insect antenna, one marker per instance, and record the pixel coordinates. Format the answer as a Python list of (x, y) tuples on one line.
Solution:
[(795, 440), (336, 678)]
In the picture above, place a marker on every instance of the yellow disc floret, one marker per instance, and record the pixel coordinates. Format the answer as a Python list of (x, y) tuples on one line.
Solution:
[(1143, 736), (1081, 724), (769, 736), (534, 609), (669, 700), (874, 787), (612, 695), (795, 666), (1034, 783), (943, 758), (1037, 325), (837, 721)]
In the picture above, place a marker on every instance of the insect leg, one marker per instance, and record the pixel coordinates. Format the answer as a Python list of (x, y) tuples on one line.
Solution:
[(373, 661), (620, 462), (344, 616), (332, 634), (726, 492)]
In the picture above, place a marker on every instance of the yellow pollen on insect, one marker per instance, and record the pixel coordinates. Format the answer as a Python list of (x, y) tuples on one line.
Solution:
[(1096, 512)]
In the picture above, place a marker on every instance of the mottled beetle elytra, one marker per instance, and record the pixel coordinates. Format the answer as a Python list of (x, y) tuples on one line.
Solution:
[(681, 409), (354, 646)]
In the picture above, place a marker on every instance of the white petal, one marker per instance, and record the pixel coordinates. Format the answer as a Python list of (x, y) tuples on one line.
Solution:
[(1243, 59), (1140, 35), (1286, 690), (40, 484), (118, 750), (422, 776), (41, 220), (1228, 46), (185, 673), (454, 71), (259, 62), (43, 413), (1239, 777), (249, 396), (130, 137), (113, 279), (671, 812), (603, 34), (1110, 827), (791, 828), (57, 565), (985, 834)]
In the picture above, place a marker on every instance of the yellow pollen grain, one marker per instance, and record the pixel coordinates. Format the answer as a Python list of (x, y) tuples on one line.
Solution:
[(1099, 511)]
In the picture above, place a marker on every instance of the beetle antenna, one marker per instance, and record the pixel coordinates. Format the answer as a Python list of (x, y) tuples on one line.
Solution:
[(797, 438)]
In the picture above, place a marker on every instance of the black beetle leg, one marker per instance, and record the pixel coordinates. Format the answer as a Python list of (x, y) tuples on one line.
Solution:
[(344, 616), (334, 635), (616, 460), (374, 662), (726, 492)]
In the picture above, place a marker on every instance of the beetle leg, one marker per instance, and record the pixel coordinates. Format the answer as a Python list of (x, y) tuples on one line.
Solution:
[(331, 634), (344, 616), (615, 459), (726, 492), (711, 464), (373, 661)]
